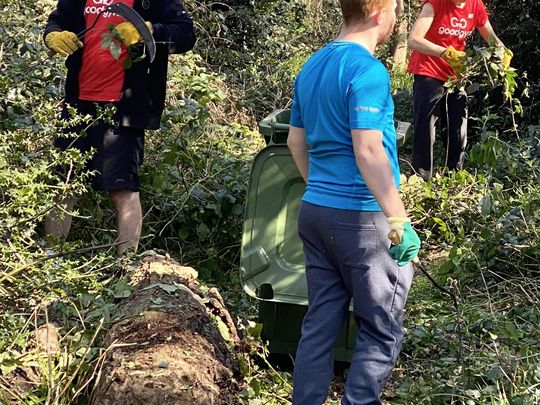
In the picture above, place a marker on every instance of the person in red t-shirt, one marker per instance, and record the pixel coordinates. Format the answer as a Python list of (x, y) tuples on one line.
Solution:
[(438, 39), (136, 93)]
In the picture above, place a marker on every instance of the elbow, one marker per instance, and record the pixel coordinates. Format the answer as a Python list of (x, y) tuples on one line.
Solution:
[(190, 38), (186, 43), (371, 156), (412, 42), (366, 157), (190, 43), (181, 37), (291, 142), (294, 143)]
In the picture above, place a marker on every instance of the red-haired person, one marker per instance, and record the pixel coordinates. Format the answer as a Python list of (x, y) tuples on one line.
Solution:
[(343, 141)]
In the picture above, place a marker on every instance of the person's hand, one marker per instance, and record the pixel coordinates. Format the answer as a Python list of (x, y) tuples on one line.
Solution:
[(129, 33), (456, 59), (64, 43), (406, 241), (507, 57)]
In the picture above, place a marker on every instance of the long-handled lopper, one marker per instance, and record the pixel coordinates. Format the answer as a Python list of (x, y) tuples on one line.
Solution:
[(395, 239)]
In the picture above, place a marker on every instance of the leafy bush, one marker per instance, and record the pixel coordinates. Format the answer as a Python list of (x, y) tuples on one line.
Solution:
[(194, 180), (29, 181), (518, 25), (482, 226), (196, 176), (260, 46)]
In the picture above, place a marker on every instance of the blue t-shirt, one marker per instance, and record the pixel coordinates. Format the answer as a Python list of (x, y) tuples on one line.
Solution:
[(340, 88)]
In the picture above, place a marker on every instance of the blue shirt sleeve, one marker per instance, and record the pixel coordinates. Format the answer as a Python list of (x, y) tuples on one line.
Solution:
[(296, 115), (367, 98)]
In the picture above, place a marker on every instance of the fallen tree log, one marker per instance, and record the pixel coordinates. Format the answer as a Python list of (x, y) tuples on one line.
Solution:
[(173, 342)]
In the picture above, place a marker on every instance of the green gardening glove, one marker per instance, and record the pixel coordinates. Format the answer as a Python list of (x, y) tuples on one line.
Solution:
[(406, 241)]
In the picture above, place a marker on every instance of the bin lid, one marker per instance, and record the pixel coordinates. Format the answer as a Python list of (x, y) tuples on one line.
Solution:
[(275, 127), (272, 259)]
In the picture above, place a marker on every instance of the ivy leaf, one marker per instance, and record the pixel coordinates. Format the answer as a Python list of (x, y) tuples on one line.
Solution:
[(107, 40), (7, 368), (202, 231), (115, 49), (255, 384)]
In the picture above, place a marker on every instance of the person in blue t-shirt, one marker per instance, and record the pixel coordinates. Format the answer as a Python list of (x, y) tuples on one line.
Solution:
[(343, 141)]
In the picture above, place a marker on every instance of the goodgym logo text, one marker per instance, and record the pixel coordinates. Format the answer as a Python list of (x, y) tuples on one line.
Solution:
[(457, 28), (97, 6)]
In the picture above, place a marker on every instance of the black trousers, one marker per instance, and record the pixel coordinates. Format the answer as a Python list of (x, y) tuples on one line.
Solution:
[(432, 103)]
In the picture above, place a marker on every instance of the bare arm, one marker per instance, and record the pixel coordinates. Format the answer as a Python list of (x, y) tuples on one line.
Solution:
[(375, 168), (296, 142), (417, 37), (488, 34)]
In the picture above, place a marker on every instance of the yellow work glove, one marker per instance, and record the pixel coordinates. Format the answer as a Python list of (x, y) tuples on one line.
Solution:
[(129, 33), (456, 59), (64, 43), (507, 58)]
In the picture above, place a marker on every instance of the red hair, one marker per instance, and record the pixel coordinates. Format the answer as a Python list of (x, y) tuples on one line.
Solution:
[(359, 10)]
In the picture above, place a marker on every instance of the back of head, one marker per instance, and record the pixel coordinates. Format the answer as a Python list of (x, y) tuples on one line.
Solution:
[(357, 11)]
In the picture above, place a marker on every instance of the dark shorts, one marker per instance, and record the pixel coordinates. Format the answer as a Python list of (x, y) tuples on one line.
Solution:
[(119, 152)]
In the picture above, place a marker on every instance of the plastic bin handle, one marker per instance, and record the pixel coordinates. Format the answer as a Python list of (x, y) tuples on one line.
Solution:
[(279, 125)]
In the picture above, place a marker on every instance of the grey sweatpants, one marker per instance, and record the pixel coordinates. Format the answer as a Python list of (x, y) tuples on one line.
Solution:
[(347, 257)]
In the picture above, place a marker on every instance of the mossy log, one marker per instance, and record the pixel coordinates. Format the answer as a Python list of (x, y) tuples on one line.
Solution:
[(173, 343)]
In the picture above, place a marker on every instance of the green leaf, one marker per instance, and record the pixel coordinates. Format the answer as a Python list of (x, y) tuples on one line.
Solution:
[(116, 50), (472, 88), (254, 329), (473, 393), (255, 384), (5, 369), (107, 40), (485, 205), (202, 231), (127, 63)]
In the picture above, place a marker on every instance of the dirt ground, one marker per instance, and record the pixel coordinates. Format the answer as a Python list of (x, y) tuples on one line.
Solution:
[(169, 347)]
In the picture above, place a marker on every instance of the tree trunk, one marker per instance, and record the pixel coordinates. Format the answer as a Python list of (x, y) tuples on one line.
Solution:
[(399, 46), (168, 345)]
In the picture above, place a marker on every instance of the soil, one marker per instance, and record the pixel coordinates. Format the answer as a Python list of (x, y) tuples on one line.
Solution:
[(169, 346)]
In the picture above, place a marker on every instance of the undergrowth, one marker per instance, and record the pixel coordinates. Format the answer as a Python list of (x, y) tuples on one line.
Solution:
[(481, 224)]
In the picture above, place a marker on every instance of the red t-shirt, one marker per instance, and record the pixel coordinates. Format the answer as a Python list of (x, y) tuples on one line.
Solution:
[(451, 26), (101, 77)]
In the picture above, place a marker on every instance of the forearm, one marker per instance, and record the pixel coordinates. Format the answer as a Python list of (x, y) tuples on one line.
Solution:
[(377, 173), (299, 150), (302, 162), (489, 35), (497, 40), (417, 37), (425, 46)]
